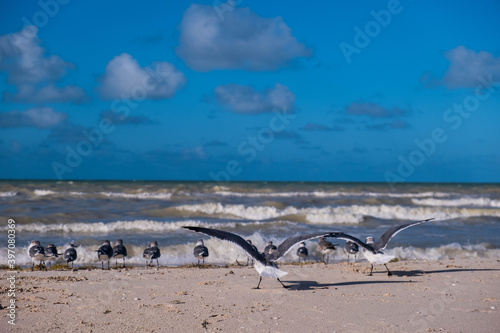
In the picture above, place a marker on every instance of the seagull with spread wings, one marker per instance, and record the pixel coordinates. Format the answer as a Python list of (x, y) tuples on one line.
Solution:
[(264, 263), (374, 251)]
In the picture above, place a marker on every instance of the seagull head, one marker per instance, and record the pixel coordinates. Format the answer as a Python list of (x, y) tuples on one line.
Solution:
[(200, 242), (154, 243), (106, 242), (119, 242), (369, 240)]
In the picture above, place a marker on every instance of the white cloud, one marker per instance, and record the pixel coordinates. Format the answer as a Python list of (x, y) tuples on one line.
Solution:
[(242, 40), (24, 60), (47, 94), (35, 117), (34, 73), (245, 99), (124, 77), (468, 69)]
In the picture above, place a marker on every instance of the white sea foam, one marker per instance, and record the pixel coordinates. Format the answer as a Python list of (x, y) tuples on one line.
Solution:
[(7, 194), (352, 214), (143, 195), (460, 202), (43, 192), (135, 225), (222, 252), (323, 194)]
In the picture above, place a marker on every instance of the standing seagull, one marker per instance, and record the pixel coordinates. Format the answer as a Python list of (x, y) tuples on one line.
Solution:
[(119, 252), (325, 247), (105, 252), (51, 253), (200, 251), (270, 248), (302, 251), (264, 262), (151, 253), (36, 253), (374, 252), (254, 247), (351, 248), (70, 254)]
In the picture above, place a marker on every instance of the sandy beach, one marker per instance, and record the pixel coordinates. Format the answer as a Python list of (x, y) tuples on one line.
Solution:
[(422, 296)]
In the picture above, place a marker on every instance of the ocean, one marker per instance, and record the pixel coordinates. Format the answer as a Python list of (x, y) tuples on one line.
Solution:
[(466, 225)]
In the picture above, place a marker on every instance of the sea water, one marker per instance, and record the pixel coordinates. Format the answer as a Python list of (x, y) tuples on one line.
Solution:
[(466, 224)]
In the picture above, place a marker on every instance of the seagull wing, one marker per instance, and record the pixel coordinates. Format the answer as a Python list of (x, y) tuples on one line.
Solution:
[(287, 244), (381, 244), (346, 237), (230, 237)]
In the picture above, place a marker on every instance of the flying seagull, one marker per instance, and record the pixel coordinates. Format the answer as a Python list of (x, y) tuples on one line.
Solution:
[(151, 253), (70, 254), (351, 248), (105, 252), (119, 252), (302, 251), (200, 251), (374, 252), (325, 247), (264, 262), (36, 253)]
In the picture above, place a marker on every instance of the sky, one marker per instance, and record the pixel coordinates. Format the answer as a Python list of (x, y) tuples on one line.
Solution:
[(365, 91)]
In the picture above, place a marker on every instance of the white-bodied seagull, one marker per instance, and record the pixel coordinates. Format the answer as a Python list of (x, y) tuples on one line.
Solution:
[(374, 251), (36, 253), (151, 253), (105, 253), (302, 251), (325, 247), (200, 251), (119, 252), (70, 254), (264, 262)]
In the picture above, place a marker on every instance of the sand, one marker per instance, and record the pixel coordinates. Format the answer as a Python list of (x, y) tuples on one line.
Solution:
[(422, 296)]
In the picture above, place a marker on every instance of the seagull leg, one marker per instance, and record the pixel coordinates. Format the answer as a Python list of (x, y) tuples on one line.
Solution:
[(258, 285), (388, 271), (123, 262), (371, 270), (282, 283)]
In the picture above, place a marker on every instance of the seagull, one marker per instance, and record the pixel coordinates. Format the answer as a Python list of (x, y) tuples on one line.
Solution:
[(105, 252), (36, 253), (254, 247), (119, 252), (200, 251), (374, 252), (70, 254), (302, 251), (264, 262), (152, 252), (351, 248), (325, 247), (270, 248), (51, 253)]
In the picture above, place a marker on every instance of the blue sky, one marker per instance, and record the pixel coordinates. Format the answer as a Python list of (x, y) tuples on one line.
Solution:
[(386, 91)]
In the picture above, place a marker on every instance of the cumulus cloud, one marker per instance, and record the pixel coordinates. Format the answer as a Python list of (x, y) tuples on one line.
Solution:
[(242, 40), (467, 69), (124, 77), (35, 117), (245, 99), (47, 94), (33, 72)]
